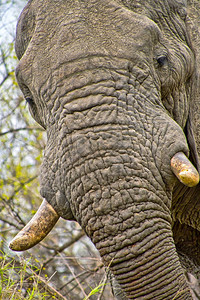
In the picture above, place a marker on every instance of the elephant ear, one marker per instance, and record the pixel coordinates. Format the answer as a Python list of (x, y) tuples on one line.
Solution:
[(188, 12), (186, 203), (25, 29), (193, 123)]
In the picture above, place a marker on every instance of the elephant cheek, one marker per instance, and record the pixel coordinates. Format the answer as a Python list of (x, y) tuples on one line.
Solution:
[(51, 188)]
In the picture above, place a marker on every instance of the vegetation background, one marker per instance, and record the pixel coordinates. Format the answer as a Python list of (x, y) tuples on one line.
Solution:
[(65, 265)]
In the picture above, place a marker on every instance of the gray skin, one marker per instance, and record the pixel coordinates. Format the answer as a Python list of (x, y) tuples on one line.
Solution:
[(115, 85)]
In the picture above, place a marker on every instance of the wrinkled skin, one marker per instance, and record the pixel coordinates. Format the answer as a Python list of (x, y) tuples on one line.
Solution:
[(115, 85)]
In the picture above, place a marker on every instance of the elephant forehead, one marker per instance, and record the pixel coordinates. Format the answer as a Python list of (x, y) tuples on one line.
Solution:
[(73, 29)]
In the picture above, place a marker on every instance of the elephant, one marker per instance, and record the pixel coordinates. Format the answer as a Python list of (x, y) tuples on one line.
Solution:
[(115, 84)]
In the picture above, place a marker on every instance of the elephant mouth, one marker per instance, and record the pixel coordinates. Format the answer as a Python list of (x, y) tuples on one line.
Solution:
[(46, 217)]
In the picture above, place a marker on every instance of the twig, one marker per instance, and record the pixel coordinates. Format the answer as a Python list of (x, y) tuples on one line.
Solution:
[(103, 286), (71, 280), (10, 222), (49, 288), (63, 247), (76, 279)]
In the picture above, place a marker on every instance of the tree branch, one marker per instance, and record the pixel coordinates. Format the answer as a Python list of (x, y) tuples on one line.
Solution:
[(14, 130)]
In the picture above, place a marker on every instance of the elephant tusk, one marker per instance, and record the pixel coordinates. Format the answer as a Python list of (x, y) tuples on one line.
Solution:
[(37, 228), (184, 170)]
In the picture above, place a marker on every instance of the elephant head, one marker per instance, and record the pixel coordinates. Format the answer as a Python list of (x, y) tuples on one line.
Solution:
[(115, 85)]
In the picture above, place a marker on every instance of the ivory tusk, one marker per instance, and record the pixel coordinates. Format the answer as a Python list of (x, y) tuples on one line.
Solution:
[(184, 170), (37, 228)]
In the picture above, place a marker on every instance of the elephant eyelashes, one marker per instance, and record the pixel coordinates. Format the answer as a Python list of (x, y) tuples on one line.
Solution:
[(162, 60)]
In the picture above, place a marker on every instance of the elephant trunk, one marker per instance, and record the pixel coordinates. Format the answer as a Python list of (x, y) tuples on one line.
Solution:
[(135, 240), (147, 268)]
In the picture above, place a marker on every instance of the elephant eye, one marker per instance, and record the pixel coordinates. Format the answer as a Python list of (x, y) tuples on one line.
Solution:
[(32, 106), (162, 60), (34, 112), (29, 101)]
